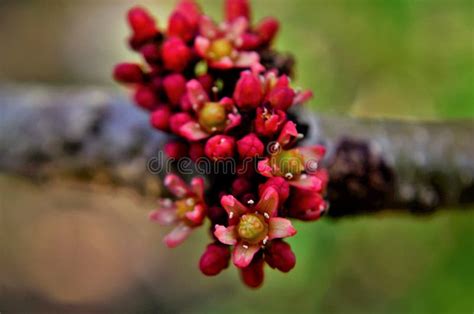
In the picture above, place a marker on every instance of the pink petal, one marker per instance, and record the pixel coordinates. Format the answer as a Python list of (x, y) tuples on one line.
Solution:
[(302, 97), (197, 186), (233, 206), (177, 235), (224, 63), (226, 235), (164, 216), (192, 131), (238, 27), (268, 202), (288, 134), (243, 254), (264, 168), (207, 27), (307, 182), (176, 185), (196, 94), (201, 44), (196, 216), (247, 59), (280, 228), (234, 120)]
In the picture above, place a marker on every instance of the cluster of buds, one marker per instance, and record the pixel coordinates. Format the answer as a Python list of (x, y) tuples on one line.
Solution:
[(207, 85)]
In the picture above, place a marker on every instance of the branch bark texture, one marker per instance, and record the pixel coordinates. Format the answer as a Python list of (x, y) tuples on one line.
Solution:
[(97, 134)]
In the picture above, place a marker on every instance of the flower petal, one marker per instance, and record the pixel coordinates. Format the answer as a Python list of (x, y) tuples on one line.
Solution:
[(243, 254), (192, 131), (197, 186), (201, 44), (288, 134), (234, 120), (226, 235), (196, 94), (307, 182), (196, 216), (268, 202), (223, 63), (312, 153), (280, 228), (302, 97), (264, 168), (207, 27), (177, 235), (176, 185), (233, 206), (247, 59), (164, 216)]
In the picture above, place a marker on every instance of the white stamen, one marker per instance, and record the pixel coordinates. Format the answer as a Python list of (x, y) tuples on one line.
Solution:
[(190, 202), (231, 214), (265, 240), (213, 129), (250, 202), (289, 176), (245, 246), (300, 136), (215, 89), (266, 215)]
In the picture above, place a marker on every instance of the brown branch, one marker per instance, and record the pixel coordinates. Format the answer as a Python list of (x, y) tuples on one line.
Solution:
[(96, 134)]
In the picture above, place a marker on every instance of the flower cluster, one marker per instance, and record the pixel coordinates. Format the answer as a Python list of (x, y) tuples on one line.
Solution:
[(221, 93)]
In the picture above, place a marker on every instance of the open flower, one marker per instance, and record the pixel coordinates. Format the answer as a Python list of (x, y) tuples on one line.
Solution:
[(212, 117), (222, 45), (186, 212), (250, 228)]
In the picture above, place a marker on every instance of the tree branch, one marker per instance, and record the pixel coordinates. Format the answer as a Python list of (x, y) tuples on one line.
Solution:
[(96, 134)]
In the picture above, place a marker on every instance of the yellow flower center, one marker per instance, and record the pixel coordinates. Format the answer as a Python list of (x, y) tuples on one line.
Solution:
[(252, 228), (213, 117), (288, 163), (220, 48), (184, 206)]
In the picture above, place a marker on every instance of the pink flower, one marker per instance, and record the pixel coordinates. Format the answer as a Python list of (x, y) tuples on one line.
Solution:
[(248, 92), (251, 228), (220, 45), (186, 212), (268, 122), (212, 117), (214, 259), (220, 147)]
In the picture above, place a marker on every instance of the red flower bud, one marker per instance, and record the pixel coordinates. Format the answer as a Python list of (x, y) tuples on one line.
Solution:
[(267, 28), (253, 275), (176, 149), (250, 146), (248, 91), (268, 123), (236, 8), (281, 98), (190, 10), (128, 73), (145, 97), (175, 87), (280, 185), (220, 147), (143, 26), (196, 151), (306, 205), (241, 186), (280, 256), (249, 41), (160, 118), (215, 259), (179, 26), (151, 53), (176, 54), (178, 120)]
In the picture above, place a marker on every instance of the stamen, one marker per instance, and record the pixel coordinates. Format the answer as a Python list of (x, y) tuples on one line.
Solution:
[(250, 202), (300, 136), (265, 240), (231, 214), (289, 176), (190, 202), (245, 246), (266, 215)]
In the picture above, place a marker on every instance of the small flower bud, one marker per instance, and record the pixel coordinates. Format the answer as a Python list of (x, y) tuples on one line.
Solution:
[(236, 8), (143, 26), (281, 98), (145, 97), (179, 26), (248, 91), (191, 10), (178, 120), (249, 41), (220, 147), (280, 256), (253, 275), (240, 186), (267, 28), (280, 185), (128, 73), (250, 146), (151, 53), (175, 87), (196, 151), (306, 205), (176, 55), (176, 149), (215, 259), (160, 118)]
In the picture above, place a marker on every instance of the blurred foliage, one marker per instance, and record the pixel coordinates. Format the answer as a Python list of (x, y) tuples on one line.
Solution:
[(401, 58)]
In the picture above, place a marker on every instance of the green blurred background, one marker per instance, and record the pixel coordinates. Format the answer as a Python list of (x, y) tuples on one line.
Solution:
[(90, 249)]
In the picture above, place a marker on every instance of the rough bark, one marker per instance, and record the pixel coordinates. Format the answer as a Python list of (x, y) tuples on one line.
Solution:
[(96, 134)]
